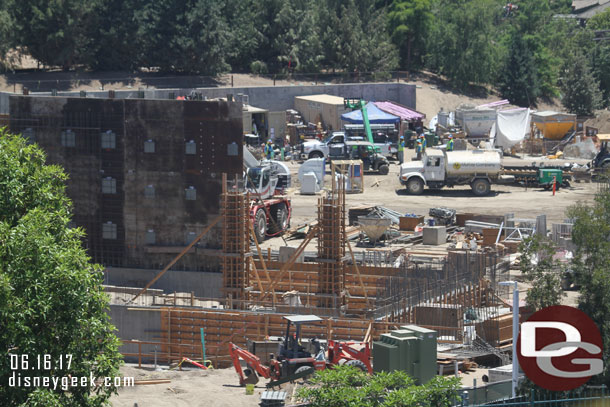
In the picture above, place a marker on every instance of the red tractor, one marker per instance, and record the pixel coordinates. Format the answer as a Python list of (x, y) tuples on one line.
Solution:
[(293, 361)]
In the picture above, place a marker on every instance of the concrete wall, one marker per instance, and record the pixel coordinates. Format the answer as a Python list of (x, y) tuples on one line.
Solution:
[(274, 98), (213, 128), (143, 325), (203, 284)]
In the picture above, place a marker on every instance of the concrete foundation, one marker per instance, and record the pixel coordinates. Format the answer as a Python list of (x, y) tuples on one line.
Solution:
[(434, 235)]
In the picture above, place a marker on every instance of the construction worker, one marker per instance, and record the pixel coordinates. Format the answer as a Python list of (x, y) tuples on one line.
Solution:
[(401, 149), (418, 149), (269, 150), (424, 143), (450, 143)]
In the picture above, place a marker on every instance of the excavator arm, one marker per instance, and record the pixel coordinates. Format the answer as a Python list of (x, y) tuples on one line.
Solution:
[(251, 360)]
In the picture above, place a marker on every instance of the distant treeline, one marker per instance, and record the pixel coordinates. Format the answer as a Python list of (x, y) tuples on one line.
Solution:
[(526, 49)]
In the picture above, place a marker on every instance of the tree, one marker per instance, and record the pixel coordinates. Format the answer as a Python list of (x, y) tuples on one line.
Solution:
[(519, 77), (600, 61), (462, 41), (117, 45), (580, 89), (51, 298), (408, 22), (56, 32), (346, 386), (243, 37), (591, 265), (542, 271)]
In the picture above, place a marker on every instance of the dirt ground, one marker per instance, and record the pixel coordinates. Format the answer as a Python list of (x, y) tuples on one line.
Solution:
[(188, 388), (524, 203)]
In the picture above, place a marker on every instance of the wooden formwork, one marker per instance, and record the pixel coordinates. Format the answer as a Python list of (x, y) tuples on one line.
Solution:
[(181, 331), (303, 277), (331, 246), (235, 244)]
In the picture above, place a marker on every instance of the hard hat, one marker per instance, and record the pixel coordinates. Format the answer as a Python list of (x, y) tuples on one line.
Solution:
[(268, 141), (402, 137), (451, 136), (418, 141)]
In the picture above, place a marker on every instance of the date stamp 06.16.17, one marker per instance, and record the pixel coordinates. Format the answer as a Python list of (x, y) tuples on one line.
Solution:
[(52, 371)]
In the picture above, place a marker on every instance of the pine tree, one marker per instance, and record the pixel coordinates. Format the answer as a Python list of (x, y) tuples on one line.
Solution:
[(581, 94), (518, 79), (409, 21)]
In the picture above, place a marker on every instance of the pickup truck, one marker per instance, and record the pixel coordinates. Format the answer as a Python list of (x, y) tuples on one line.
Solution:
[(319, 149)]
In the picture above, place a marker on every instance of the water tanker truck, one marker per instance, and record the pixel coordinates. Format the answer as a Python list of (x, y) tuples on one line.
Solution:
[(438, 169)]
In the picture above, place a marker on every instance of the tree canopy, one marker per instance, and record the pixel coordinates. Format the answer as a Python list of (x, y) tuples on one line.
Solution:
[(524, 49), (51, 298)]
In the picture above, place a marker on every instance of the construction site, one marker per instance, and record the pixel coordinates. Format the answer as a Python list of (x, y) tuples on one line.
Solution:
[(214, 250)]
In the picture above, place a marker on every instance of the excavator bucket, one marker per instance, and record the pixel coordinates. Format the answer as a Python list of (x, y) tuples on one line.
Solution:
[(251, 376)]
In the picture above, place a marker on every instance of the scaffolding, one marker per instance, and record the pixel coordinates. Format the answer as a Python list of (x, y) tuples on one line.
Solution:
[(331, 245), (235, 242)]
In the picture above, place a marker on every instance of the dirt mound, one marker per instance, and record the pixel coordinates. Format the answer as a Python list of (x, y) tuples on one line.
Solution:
[(601, 121)]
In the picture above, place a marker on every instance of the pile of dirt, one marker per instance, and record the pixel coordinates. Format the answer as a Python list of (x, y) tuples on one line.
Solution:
[(601, 121)]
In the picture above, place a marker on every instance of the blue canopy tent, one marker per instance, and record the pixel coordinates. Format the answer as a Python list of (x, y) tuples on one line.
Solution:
[(376, 116)]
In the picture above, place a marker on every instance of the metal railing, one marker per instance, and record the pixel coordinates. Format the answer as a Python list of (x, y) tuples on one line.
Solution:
[(593, 397)]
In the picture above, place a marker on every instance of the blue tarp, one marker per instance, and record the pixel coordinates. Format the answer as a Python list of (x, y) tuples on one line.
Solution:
[(376, 116)]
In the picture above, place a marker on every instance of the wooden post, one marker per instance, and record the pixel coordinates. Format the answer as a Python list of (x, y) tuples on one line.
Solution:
[(139, 354)]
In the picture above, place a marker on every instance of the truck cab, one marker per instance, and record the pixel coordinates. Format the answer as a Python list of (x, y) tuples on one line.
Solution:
[(319, 149), (430, 171)]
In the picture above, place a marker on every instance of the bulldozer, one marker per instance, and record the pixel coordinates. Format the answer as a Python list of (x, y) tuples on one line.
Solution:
[(293, 361)]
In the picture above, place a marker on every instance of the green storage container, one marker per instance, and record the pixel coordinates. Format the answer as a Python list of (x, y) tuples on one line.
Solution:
[(545, 176), (427, 357), (411, 349), (385, 357)]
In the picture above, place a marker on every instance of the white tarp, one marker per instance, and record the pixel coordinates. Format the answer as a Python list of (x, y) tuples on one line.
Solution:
[(511, 127)]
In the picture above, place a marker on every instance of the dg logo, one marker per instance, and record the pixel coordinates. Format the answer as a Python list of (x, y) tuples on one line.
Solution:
[(560, 348)]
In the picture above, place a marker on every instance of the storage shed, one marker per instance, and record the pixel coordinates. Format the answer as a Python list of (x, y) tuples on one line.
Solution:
[(326, 109)]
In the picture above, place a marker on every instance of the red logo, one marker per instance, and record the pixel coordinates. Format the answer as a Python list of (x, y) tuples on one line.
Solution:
[(560, 348)]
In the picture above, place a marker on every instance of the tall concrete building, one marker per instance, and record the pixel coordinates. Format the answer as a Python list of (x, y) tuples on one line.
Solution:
[(145, 175)]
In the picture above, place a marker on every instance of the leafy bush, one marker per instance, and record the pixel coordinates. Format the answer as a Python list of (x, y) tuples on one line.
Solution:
[(259, 68), (350, 387)]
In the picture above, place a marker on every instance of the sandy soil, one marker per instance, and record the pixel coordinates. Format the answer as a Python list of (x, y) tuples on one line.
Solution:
[(211, 388), (433, 94), (524, 203)]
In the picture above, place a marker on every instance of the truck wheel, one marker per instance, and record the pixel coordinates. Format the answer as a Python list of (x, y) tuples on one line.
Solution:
[(481, 187), (316, 154), (383, 169), (357, 364), (260, 225), (415, 186), (279, 214), (301, 369)]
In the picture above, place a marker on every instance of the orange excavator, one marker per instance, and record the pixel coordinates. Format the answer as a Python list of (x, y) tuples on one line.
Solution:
[(293, 361)]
